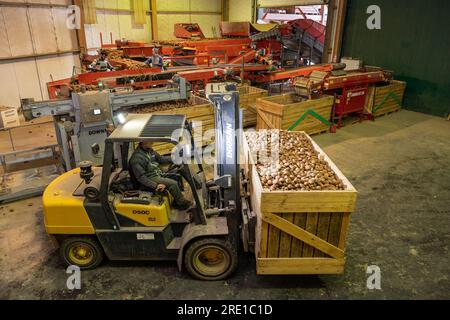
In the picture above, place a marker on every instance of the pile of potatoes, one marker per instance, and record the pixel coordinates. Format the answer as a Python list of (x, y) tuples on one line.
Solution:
[(299, 166), (162, 106), (117, 56)]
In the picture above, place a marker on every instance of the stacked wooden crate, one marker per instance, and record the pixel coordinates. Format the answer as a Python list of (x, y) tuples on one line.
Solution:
[(299, 232), (385, 99), (285, 111), (247, 100)]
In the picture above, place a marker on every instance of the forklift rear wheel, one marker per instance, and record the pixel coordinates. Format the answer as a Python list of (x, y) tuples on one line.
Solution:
[(83, 252), (211, 259)]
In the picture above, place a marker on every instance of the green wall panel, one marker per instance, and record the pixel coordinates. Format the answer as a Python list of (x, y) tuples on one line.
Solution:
[(414, 42)]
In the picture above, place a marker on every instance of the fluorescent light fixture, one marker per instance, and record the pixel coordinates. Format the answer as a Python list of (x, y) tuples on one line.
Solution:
[(121, 118)]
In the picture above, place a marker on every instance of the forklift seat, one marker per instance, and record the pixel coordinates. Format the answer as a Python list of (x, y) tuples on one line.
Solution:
[(122, 182)]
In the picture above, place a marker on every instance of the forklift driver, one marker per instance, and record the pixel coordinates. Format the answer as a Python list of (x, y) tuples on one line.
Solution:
[(146, 174)]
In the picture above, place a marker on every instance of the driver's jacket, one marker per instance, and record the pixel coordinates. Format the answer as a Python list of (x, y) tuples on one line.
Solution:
[(144, 165)]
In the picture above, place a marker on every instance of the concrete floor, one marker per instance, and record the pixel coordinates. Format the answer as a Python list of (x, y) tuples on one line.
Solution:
[(400, 166)]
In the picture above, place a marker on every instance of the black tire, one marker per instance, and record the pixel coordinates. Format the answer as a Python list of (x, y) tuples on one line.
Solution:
[(221, 263), (70, 248)]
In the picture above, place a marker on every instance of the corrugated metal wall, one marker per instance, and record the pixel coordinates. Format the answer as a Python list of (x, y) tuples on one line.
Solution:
[(28, 31), (116, 16), (413, 41), (207, 13)]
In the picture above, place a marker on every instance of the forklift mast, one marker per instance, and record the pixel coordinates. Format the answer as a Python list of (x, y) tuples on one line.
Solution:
[(225, 99)]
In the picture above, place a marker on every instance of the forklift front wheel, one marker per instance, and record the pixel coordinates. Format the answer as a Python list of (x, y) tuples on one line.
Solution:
[(211, 259), (83, 252)]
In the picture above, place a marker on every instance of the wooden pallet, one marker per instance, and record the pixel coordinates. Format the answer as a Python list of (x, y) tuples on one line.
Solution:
[(385, 99), (247, 100), (386, 114), (319, 132), (300, 232), (281, 112)]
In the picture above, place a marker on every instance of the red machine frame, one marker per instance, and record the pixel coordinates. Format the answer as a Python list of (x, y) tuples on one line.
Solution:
[(188, 31)]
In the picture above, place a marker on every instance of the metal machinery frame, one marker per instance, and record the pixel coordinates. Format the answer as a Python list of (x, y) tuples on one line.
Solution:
[(149, 77), (188, 31), (349, 88), (82, 122), (287, 42)]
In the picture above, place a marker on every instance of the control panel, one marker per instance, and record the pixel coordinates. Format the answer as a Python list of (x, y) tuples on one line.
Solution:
[(94, 106)]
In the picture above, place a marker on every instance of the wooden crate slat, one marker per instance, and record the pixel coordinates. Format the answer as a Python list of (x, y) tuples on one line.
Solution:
[(266, 121), (247, 101), (286, 238), (276, 266), (303, 235), (281, 112), (312, 218), (264, 239), (289, 121), (335, 229), (344, 230), (309, 201), (273, 244), (297, 245), (323, 225)]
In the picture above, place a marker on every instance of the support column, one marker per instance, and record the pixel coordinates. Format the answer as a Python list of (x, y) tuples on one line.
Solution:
[(335, 25), (225, 10), (154, 19), (81, 34), (254, 11)]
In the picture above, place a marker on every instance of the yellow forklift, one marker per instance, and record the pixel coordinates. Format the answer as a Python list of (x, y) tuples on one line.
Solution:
[(92, 212)]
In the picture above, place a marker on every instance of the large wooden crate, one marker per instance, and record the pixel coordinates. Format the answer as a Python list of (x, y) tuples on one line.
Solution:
[(200, 113), (300, 232), (247, 100), (385, 99), (284, 111)]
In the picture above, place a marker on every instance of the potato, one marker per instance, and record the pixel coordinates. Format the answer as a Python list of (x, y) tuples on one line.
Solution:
[(299, 167)]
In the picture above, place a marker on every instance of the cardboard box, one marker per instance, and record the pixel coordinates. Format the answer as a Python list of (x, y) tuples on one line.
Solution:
[(9, 117)]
